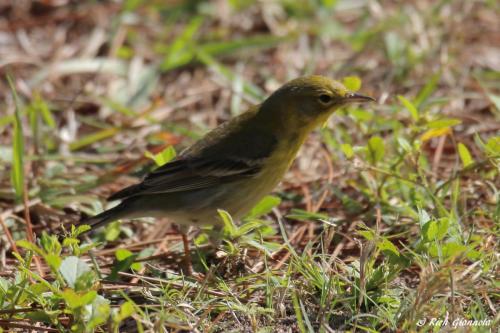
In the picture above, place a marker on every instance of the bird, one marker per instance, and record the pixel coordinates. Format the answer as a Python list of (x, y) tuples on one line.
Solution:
[(236, 164)]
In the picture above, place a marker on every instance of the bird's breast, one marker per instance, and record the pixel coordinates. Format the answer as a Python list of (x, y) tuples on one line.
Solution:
[(239, 197)]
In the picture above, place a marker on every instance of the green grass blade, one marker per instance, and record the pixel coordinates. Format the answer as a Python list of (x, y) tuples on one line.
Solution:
[(17, 172), (92, 138)]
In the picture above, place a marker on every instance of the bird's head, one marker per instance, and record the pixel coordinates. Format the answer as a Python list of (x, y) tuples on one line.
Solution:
[(310, 100)]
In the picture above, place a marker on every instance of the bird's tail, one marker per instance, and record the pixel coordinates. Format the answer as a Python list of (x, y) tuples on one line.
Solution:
[(105, 217)]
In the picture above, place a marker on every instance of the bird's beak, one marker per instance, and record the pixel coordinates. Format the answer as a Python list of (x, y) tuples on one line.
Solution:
[(353, 97)]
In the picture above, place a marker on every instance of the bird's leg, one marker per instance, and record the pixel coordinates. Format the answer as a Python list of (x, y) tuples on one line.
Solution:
[(187, 265)]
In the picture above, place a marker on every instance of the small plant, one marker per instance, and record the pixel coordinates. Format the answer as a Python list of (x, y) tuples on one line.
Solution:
[(66, 295)]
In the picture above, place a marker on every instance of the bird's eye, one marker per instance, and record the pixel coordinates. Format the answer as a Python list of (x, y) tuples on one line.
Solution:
[(325, 99)]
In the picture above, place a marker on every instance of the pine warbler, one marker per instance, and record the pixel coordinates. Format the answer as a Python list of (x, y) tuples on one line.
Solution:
[(237, 163)]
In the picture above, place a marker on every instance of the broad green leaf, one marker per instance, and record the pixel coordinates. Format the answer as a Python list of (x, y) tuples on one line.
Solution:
[(30, 246), (76, 231), (347, 150), (76, 300), (71, 298), (70, 242), (123, 254), (376, 149), (264, 206), (163, 157), (493, 145), (386, 244), (367, 234), (112, 231), (444, 122), (410, 107), (432, 230), (352, 83), (453, 249), (85, 281), (465, 155), (88, 297), (249, 226), (50, 243), (266, 247), (434, 133), (38, 288), (474, 255), (72, 268), (123, 264), (126, 310), (54, 261), (436, 229), (442, 227), (99, 312), (229, 227)]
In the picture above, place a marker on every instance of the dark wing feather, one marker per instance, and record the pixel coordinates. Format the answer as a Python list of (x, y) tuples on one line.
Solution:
[(190, 174), (231, 151)]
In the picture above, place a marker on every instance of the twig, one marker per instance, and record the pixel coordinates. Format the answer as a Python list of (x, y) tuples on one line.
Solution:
[(9, 324), (438, 154), (9, 235), (29, 228)]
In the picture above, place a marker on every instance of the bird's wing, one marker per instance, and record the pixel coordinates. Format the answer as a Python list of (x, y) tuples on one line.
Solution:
[(191, 174), (232, 151)]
